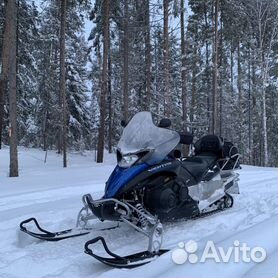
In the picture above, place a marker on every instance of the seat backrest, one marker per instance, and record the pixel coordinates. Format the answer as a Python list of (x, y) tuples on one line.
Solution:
[(209, 144)]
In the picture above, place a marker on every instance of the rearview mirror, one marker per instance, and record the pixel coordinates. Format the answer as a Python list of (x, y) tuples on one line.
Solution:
[(164, 123), (123, 123)]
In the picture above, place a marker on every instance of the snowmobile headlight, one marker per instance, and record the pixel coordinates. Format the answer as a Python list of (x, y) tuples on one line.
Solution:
[(128, 160)]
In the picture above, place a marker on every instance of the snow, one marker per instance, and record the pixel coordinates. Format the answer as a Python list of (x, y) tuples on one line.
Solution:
[(53, 195)]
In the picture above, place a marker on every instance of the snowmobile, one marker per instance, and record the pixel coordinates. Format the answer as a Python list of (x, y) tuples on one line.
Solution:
[(153, 184)]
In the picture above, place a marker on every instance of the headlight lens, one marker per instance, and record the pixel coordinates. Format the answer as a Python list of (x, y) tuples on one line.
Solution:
[(128, 160)]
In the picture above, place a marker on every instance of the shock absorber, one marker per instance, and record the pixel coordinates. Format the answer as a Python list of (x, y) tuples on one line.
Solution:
[(142, 218)]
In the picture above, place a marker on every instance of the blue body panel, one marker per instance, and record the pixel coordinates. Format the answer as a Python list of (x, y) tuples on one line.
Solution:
[(120, 177)]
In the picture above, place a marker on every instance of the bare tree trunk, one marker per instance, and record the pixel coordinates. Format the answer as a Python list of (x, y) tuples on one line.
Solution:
[(148, 62), (110, 109), (239, 97), (194, 86), (232, 71), (265, 137), (12, 22), (220, 82), (228, 131), (167, 99), (45, 99), (156, 97), (100, 147), (253, 74), (265, 67), (215, 125), (208, 84), (250, 131), (125, 65), (63, 80), (183, 68), (44, 135), (4, 67), (3, 89), (185, 148)]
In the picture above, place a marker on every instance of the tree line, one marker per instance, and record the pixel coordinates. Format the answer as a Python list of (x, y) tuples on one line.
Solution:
[(210, 66)]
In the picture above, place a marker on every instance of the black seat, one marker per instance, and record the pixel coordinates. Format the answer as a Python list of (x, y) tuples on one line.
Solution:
[(197, 166), (207, 151), (209, 144)]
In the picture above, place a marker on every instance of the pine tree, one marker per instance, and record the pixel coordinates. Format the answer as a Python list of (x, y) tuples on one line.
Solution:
[(4, 47), (80, 124), (183, 66), (167, 98), (78, 120), (11, 22), (106, 9), (27, 72)]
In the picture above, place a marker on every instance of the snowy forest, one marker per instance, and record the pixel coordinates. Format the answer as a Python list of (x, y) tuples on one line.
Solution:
[(211, 66)]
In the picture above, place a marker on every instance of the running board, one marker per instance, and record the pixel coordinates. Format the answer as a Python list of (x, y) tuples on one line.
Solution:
[(129, 261)]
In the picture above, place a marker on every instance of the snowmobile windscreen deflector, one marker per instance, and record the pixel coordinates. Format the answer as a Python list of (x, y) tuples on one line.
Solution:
[(142, 134)]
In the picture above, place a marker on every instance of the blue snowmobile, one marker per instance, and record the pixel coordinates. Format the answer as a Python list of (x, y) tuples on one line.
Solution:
[(152, 184)]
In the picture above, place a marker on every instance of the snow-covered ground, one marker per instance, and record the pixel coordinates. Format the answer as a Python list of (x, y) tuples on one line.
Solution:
[(53, 195)]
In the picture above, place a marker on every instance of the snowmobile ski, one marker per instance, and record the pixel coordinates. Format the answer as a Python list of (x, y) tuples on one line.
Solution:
[(55, 236), (47, 235), (129, 261)]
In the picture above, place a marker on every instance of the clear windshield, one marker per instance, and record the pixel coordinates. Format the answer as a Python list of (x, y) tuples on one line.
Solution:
[(141, 134)]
